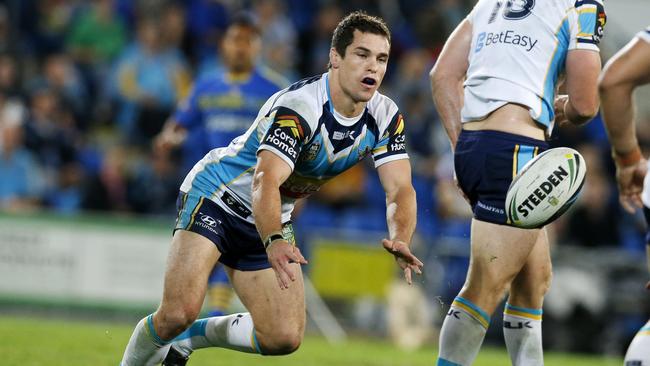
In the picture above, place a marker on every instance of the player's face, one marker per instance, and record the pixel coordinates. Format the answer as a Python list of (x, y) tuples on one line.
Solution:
[(240, 48), (364, 65)]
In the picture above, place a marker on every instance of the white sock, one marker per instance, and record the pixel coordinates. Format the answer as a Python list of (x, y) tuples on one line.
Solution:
[(522, 330), (638, 353), (462, 333), (234, 331), (145, 348)]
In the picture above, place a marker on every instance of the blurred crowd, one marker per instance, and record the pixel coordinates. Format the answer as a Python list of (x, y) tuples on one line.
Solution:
[(85, 86)]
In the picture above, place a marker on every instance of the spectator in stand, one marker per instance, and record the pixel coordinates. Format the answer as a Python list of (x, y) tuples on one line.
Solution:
[(279, 37), (21, 184), (151, 79)]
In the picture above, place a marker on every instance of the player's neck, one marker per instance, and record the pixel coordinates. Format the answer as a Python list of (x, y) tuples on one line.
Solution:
[(340, 100)]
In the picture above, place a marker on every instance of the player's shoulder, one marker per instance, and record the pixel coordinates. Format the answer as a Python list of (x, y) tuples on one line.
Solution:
[(382, 108), (306, 97)]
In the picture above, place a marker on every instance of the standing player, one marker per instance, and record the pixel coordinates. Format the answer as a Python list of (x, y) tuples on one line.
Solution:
[(495, 88), (627, 70), (220, 108), (236, 202)]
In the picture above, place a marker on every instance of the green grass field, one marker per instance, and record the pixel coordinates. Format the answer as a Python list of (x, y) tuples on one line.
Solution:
[(37, 342)]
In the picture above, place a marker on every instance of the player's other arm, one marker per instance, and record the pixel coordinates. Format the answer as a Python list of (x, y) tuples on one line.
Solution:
[(628, 69), (172, 136), (395, 177), (447, 77), (581, 103), (188, 115)]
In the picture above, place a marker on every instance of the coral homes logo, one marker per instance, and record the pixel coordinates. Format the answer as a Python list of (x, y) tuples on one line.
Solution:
[(283, 141), (508, 37)]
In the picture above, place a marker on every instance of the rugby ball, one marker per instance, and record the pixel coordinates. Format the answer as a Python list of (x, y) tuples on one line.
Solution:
[(545, 188)]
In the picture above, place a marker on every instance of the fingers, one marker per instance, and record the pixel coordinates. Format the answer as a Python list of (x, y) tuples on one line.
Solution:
[(279, 257), (388, 245), (647, 286), (297, 257), (627, 205), (407, 275)]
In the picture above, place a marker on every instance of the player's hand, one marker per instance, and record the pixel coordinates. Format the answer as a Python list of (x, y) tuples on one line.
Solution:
[(405, 259), (630, 184), (558, 105), (647, 286), (280, 253)]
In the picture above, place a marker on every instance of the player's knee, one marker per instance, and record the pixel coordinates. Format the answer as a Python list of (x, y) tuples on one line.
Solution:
[(282, 343), (175, 321)]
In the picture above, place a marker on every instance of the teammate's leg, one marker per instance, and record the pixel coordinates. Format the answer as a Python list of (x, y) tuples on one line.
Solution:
[(219, 292), (191, 258), (498, 254), (274, 324), (522, 317)]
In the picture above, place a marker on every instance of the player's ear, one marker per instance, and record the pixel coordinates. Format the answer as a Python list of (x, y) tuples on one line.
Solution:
[(335, 58)]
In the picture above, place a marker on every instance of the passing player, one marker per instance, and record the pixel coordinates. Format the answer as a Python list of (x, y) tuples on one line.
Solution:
[(221, 107), (495, 88), (624, 72), (236, 202)]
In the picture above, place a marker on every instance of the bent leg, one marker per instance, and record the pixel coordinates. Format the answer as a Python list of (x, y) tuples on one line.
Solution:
[(522, 316), (278, 315), (498, 254), (274, 325), (191, 258)]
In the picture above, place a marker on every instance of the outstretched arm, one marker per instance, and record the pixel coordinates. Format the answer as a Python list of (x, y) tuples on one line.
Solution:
[(395, 177), (447, 77), (628, 69)]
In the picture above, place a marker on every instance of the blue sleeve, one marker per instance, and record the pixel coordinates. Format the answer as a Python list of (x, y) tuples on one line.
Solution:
[(188, 114)]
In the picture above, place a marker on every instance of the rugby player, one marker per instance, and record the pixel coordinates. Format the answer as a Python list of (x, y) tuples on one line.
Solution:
[(495, 89), (236, 201), (221, 106), (624, 72)]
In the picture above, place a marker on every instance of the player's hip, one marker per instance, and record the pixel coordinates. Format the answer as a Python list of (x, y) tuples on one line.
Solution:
[(485, 162)]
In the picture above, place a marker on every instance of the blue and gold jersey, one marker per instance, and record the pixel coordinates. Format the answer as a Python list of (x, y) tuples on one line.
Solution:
[(519, 49), (299, 125), (220, 108)]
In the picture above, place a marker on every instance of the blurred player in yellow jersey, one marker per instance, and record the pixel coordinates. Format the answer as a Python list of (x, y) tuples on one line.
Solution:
[(495, 89), (627, 70)]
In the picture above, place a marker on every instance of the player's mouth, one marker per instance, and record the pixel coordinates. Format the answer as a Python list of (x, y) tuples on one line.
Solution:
[(369, 82)]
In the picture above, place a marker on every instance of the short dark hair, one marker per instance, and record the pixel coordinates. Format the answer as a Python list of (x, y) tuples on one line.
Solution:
[(245, 20), (359, 20)]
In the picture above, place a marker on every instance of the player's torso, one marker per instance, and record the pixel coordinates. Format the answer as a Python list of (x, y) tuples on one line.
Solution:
[(518, 50), (334, 145)]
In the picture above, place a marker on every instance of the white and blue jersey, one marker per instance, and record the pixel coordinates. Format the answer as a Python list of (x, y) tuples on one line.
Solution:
[(299, 125), (220, 108), (519, 49)]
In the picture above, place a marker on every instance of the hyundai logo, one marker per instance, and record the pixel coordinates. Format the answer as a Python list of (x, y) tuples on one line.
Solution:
[(208, 220)]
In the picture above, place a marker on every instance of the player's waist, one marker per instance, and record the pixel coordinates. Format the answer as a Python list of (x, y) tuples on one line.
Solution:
[(510, 118)]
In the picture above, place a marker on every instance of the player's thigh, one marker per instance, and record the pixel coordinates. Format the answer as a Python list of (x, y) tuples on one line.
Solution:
[(189, 264), (498, 252), (274, 311)]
